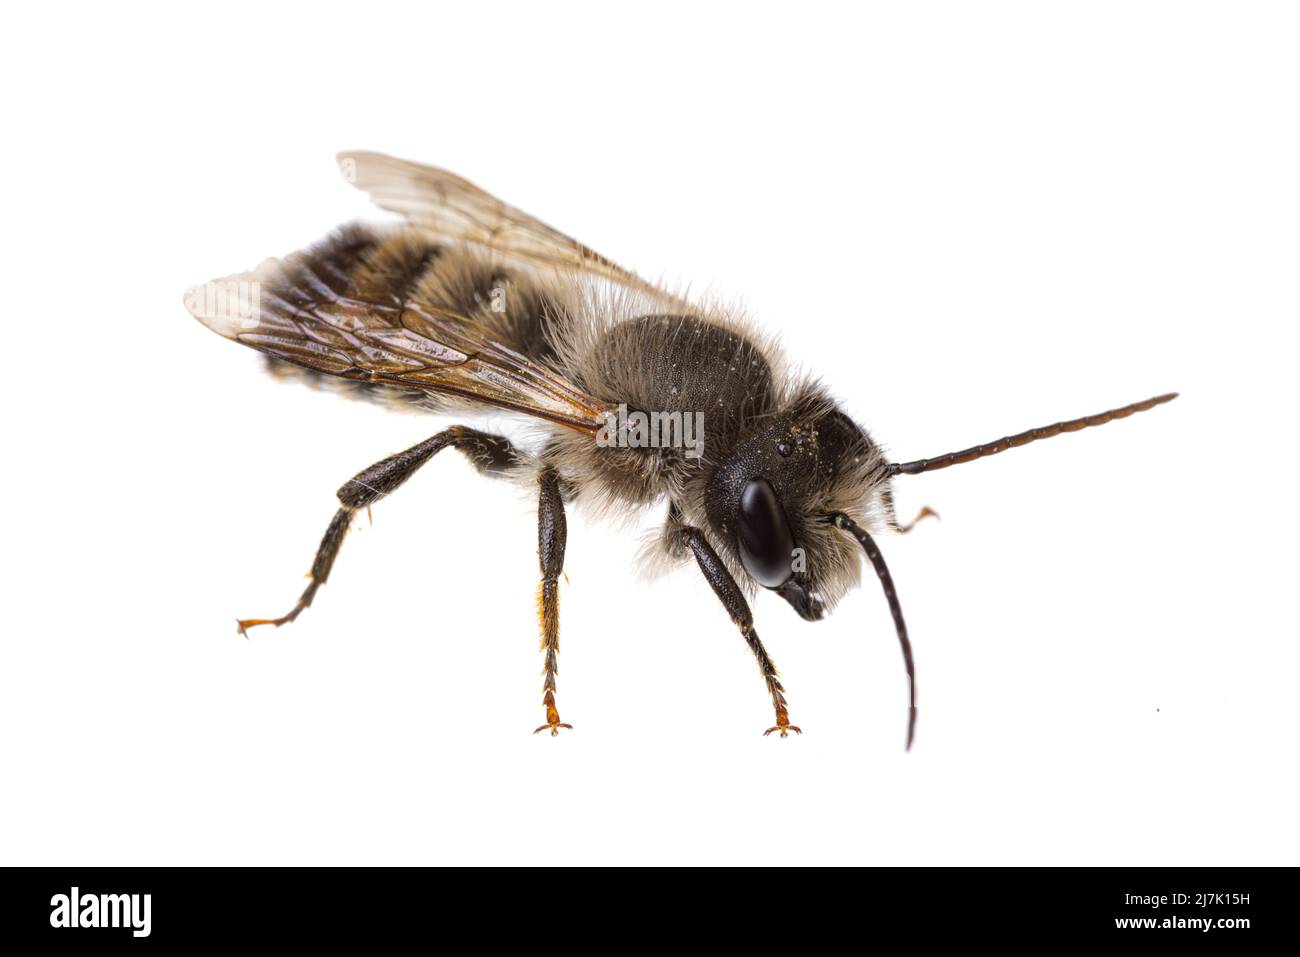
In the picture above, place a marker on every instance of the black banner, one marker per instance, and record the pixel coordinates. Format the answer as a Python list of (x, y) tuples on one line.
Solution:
[(137, 907)]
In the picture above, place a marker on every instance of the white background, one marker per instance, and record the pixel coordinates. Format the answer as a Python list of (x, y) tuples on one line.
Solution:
[(970, 219)]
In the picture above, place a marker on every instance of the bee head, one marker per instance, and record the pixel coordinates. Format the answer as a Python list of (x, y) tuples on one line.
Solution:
[(768, 501)]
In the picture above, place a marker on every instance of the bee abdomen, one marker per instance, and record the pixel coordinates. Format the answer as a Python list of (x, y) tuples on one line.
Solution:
[(402, 272)]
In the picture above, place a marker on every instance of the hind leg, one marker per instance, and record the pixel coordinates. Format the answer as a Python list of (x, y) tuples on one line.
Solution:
[(491, 454)]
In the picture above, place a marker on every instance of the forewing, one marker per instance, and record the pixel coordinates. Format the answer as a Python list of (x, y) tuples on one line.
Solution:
[(454, 208), (307, 312)]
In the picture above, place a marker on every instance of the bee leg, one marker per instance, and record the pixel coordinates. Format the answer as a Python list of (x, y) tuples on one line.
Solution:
[(552, 533), (491, 454), (925, 512), (320, 570), (729, 593), (887, 497)]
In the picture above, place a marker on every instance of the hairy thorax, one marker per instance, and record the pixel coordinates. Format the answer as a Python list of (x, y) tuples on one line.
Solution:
[(684, 387)]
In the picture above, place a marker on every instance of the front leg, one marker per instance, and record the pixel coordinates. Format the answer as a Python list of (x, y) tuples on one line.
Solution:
[(729, 593), (552, 533)]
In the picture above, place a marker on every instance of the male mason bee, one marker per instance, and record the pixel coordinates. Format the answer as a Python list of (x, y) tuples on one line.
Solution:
[(640, 398)]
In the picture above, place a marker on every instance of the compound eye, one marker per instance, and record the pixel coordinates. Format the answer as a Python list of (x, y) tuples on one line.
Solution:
[(764, 538)]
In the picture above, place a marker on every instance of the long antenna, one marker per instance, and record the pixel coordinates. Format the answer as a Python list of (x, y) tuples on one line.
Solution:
[(1024, 438), (843, 522)]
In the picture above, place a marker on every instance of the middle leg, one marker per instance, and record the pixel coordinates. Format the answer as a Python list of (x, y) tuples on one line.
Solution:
[(552, 533)]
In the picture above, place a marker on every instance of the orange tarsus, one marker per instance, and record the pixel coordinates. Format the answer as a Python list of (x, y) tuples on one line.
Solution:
[(243, 624), (925, 512), (783, 725)]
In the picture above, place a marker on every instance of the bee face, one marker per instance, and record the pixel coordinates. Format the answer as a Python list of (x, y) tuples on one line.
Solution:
[(769, 498)]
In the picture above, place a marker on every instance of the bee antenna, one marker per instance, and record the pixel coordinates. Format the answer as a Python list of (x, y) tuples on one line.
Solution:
[(844, 523), (1024, 438)]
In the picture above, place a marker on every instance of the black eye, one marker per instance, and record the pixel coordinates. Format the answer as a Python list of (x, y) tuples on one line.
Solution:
[(764, 538)]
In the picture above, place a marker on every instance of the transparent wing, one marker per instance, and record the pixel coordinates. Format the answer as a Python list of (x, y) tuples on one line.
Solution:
[(454, 208), (306, 310)]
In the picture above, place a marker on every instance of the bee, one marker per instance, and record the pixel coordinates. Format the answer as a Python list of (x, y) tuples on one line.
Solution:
[(639, 398)]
